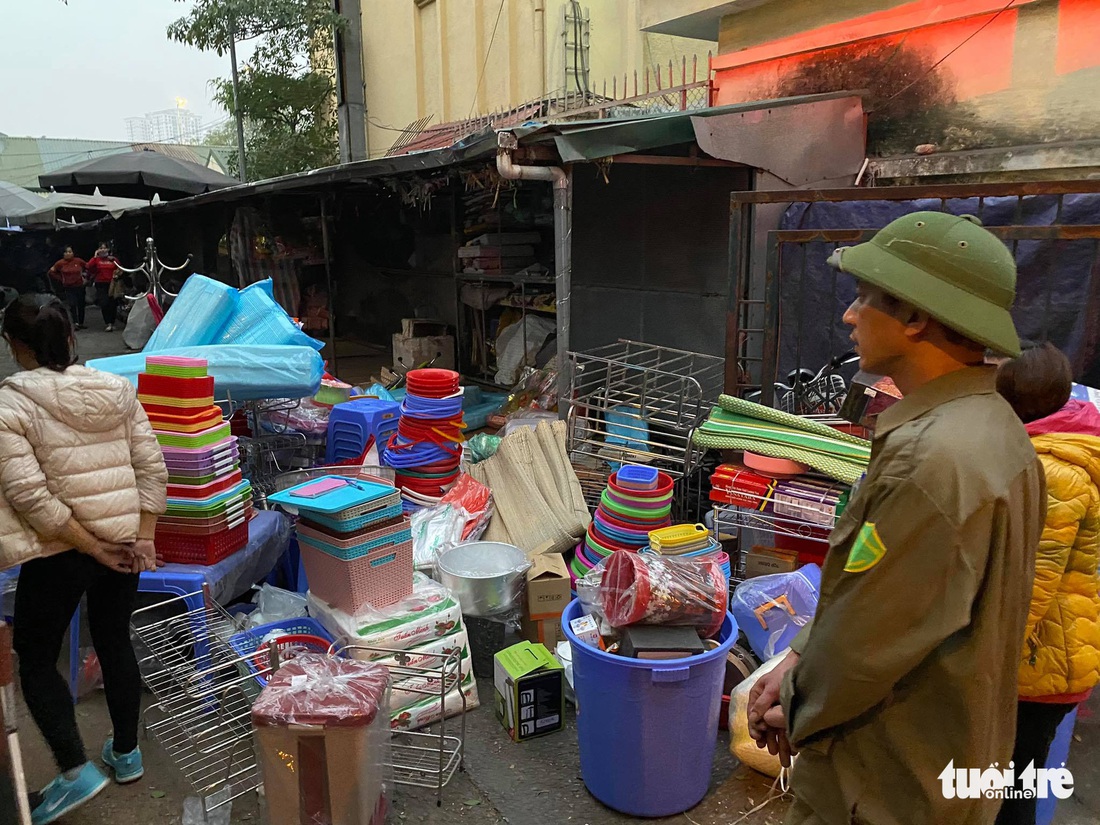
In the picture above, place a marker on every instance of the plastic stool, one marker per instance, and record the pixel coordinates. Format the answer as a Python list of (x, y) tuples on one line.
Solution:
[(355, 422), (178, 584)]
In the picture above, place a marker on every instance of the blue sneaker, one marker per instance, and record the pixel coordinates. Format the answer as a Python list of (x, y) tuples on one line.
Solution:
[(64, 795), (127, 767)]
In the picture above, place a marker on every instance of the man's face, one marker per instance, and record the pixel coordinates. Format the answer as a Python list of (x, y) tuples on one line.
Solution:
[(878, 334)]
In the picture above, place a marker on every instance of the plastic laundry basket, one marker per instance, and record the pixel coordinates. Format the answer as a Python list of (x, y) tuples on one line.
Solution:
[(647, 728)]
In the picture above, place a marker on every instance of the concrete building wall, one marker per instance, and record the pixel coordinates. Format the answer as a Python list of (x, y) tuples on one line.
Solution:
[(651, 256), (433, 57)]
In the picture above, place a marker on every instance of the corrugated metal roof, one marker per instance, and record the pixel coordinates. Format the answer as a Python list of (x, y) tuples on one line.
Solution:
[(575, 141)]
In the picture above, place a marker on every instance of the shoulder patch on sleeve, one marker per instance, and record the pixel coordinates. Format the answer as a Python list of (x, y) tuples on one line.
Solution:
[(867, 550)]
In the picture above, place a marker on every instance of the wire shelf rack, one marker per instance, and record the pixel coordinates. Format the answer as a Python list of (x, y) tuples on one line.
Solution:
[(637, 403), (758, 519), (203, 692), (202, 711), (423, 759)]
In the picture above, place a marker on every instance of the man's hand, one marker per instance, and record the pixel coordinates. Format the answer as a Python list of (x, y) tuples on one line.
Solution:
[(767, 722), (775, 740), (114, 556)]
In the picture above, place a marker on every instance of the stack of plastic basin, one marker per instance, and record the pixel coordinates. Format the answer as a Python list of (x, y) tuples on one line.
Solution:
[(426, 449), (209, 502), (356, 545), (637, 501), (351, 426)]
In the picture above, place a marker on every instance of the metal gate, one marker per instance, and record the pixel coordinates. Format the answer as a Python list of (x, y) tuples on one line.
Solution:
[(781, 316)]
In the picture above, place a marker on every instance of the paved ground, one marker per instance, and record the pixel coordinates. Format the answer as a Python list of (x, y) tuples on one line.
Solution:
[(533, 783)]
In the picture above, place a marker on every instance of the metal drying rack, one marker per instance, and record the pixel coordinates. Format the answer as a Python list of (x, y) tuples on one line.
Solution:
[(204, 692), (637, 403), (202, 712), (424, 759), (797, 519)]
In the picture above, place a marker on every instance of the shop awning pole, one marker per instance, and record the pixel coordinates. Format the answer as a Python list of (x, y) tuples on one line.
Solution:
[(327, 247), (563, 243)]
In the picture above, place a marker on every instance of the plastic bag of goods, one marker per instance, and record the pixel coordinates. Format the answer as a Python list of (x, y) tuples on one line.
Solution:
[(742, 745), (322, 731), (660, 590), (141, 323), (770, 610), (476, 500)]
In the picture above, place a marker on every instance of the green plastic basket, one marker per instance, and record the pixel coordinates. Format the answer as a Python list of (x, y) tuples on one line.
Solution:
[(203, 438), (176, 372), (634, 512)]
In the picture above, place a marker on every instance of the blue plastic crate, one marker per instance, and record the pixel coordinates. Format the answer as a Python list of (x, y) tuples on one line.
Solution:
[(359, 522), (248, 642), (360, 550)]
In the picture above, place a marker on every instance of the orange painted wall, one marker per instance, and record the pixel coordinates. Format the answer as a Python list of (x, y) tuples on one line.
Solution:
[(981, 66), (1078, 36), (1026, 74)]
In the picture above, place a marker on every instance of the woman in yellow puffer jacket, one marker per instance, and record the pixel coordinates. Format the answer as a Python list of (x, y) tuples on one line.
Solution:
[(1060, 663)]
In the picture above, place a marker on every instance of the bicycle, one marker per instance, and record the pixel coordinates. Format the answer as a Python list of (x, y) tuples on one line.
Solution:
[(810, 393)]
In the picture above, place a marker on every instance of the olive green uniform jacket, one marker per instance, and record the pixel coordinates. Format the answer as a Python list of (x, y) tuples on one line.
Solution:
[(911, 660)]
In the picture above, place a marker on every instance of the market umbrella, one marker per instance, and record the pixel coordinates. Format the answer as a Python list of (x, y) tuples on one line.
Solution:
[(15, 200), (137, 175), (71, 206)]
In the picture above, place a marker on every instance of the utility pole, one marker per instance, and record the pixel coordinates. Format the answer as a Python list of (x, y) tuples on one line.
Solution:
[(242, 172)]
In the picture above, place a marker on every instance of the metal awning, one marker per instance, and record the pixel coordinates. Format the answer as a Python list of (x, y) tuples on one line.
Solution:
[(575, 142)]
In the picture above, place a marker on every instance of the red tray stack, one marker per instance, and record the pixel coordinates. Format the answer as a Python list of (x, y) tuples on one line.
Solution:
[(209, 502)]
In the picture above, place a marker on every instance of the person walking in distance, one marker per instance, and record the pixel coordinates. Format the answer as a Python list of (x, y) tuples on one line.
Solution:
[(103, 269), (68, 275), (910, 663)]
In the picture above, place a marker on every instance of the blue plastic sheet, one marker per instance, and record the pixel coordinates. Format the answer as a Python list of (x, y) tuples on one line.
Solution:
[(258, 321), (240, 373), (196, 316)]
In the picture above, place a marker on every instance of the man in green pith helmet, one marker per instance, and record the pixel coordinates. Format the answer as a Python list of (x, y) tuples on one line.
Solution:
[(909, 666)]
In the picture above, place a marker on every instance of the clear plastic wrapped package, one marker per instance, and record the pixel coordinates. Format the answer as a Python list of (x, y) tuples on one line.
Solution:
[(644, 589), (258, 320), (196, 316), (298, 415), (435, 529), (322, 729), (240, 373), (772, 609), (742, 745), (431, 612)]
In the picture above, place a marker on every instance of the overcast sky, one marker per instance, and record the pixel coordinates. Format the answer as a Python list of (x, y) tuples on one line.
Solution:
[(78, 70)]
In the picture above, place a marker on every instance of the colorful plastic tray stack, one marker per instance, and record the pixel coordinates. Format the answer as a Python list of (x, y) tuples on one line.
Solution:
[(626, 515), (688, 541), (356, 545), (427, 447), (209, 502)]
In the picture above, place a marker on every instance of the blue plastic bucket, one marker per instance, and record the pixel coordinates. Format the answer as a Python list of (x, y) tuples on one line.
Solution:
[(647, 728)]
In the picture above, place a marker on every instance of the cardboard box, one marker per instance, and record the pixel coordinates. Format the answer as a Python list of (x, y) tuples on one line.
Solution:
[(548, 588), (762, 561), (530, 691), (543, 632), (421, 341)]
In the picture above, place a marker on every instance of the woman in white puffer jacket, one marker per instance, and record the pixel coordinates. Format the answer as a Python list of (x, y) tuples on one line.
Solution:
[(82, 481)]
